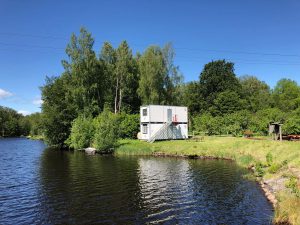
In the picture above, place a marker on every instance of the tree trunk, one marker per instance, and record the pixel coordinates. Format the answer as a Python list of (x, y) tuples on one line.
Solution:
[(116, 95), (120, 100), (99, 99), (120, 93)]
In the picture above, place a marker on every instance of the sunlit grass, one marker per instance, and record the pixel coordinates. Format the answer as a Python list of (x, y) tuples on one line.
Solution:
[(243, 150), (288, 209)]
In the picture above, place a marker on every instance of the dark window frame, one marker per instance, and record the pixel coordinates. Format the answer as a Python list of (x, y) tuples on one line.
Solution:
[(145, 112), (145, 128)]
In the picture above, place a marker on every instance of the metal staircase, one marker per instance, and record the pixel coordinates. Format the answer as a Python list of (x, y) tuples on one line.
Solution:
[(163, 132)]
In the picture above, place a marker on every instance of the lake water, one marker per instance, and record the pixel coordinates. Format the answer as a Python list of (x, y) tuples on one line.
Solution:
[(43, 186)]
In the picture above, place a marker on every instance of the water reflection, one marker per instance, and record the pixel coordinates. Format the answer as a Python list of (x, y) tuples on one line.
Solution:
[(92, 189), (200, 192), (165, 189)]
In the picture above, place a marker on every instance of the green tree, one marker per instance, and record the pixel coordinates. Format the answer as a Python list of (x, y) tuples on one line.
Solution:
[(122, 75), (108, 59), (192, 97), (152, 76), (57, 112), (227, 102), (286, 95), (257, 93), (126, 73), (86, 87), (25, 125), (36, 126), (11, 123), (216, 77), (173, 81)]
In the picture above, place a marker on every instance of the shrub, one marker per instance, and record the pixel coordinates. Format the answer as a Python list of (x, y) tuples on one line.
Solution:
[(129, 125), (269, 158), (248, 133), (82, 132), (293, 185), (106, 131), (259, 170), (292, 124), (274, 168), (208, 124)]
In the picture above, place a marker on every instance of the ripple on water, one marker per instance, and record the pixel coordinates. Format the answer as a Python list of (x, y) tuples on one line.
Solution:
[(40, 186)]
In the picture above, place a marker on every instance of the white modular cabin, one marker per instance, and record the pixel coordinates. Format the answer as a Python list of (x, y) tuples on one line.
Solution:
[(160, 122)]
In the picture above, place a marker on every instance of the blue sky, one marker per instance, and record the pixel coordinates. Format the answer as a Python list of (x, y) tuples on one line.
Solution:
[(261, 37)]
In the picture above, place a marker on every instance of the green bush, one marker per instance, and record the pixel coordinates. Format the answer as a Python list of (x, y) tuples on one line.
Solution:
[(259, 170), (129, 125), (274, 168), (292, 123), (293, 185), (248, 133), (206, 123), (253, 123), (106, 131), (269, 158), (82, 132)]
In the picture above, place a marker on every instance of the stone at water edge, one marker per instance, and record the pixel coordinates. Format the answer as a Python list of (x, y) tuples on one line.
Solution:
[(90, 150)]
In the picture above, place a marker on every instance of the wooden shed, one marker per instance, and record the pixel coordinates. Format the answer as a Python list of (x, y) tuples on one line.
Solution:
[(275, 130)]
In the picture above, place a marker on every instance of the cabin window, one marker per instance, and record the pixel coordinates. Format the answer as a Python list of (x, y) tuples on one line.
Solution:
[(144, 128), (144, 112)]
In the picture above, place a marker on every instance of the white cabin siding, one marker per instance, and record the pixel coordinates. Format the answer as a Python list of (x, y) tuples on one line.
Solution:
[(158, 116)]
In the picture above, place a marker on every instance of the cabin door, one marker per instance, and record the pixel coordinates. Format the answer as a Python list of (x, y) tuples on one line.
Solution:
[(169, 115)]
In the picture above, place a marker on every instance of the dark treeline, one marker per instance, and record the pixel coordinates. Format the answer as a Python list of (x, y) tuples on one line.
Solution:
[(14, 124), (113, 81)]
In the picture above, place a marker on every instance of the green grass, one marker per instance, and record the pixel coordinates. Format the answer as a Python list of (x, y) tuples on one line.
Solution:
[(244, 151), (274, 157), (133, 147)]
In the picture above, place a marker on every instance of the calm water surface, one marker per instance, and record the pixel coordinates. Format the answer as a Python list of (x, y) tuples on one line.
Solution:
[(42, 186)]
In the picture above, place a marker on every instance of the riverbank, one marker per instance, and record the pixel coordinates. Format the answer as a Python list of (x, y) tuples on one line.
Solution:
[(35, 137), (276, 164)]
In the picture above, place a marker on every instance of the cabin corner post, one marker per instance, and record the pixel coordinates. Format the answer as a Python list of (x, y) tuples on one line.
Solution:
[(280, 133)]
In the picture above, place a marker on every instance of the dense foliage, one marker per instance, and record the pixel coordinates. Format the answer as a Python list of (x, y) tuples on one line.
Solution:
[(129, 125), (106, 131), (13, 124), (116, 79), (10, 122), (82, 132)]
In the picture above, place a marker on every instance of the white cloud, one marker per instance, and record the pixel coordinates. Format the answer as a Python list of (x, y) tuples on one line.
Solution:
[(4, 94), (24, 112), (37, 101)]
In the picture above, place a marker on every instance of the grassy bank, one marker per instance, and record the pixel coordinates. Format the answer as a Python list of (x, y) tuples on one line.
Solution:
[(277, 163)]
